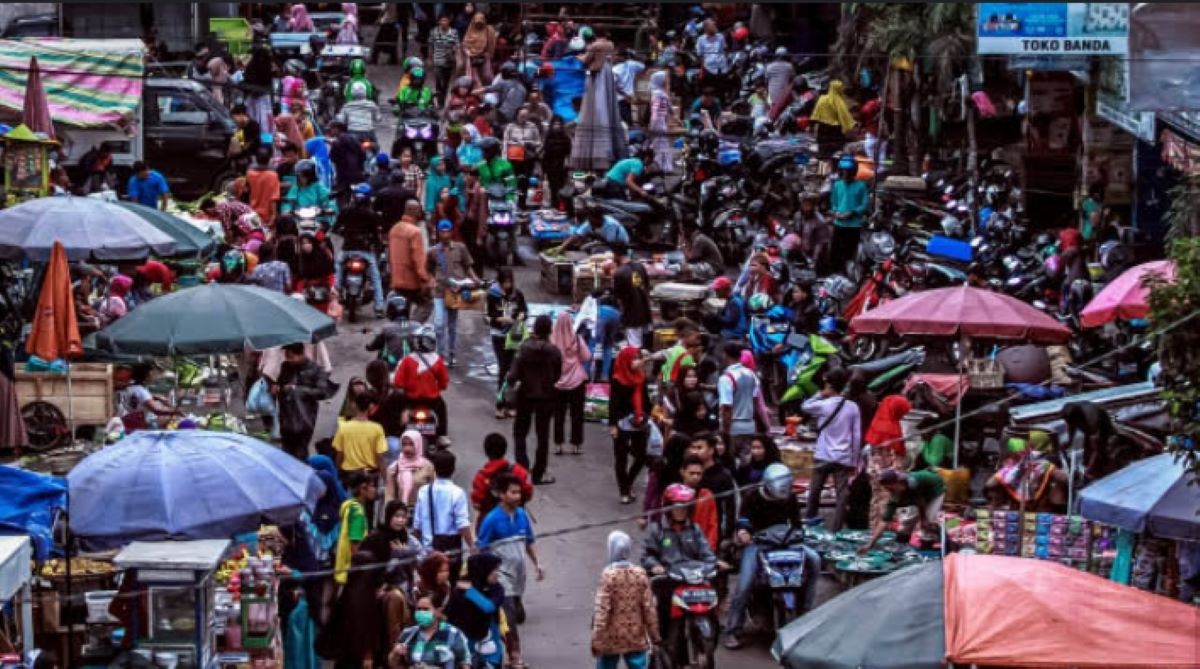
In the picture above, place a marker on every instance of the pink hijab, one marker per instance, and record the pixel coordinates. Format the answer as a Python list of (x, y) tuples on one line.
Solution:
[(574, 353), (300, 22), (401, 474)]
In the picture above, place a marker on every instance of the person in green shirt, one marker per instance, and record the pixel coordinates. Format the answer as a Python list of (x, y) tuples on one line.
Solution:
[(848, 199), (415, 93), (922, 489), (495, 169), (354, 522)]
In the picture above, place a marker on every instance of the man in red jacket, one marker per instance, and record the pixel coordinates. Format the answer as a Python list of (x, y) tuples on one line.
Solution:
[(422, 375), (495, 447)]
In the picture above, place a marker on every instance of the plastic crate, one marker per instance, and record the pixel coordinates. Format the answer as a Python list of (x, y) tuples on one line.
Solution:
[(97, 606), (233, 31), (985, 374)]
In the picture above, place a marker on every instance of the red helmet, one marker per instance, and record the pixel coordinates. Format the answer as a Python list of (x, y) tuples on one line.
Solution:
[(677, 493), (741, 33)]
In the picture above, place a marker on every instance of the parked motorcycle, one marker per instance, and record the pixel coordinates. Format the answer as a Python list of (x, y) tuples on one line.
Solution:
[(501, 226), (416, 129)]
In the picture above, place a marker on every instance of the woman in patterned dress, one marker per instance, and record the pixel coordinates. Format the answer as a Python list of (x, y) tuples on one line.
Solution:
[(624, 621)]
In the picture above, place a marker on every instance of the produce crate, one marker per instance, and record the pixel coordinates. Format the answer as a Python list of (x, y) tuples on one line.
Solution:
[(557, 275), (797, 459), (985, 374)]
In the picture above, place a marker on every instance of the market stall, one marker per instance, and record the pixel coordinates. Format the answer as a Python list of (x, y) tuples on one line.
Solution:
[(16, 555), (176, 599)]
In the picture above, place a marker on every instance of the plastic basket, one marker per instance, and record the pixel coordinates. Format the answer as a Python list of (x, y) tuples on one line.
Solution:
[(233, 31)]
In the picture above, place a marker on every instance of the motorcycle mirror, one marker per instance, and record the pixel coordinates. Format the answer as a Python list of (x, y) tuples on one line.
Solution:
[(1039, 304), (977, 243), (1014, 281)]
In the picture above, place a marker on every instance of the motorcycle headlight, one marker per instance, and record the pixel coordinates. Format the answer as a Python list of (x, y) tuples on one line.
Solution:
[(410, 133), (427, 132), (502, 219)]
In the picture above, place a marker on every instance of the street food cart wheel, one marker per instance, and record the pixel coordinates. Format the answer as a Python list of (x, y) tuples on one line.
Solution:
[(45, 425)]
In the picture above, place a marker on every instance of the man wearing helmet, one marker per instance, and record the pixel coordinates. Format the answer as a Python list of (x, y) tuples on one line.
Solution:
[(414, 93), (358, 75), (362, 231), (671, 539), (360, 114), (308, 190), (495, 168), (848, 200), (509, 90), (422, 375), (767, 505), (733, 322), (393, 339)]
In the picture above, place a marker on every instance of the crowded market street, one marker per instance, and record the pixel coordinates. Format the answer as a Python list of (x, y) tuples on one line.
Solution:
[(663, 336)]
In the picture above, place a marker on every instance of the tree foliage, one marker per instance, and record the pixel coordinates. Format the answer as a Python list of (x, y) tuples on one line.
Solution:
[(1177, 302)]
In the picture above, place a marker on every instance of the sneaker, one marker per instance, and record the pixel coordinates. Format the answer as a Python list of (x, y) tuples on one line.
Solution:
[(451, 362), (626, 499), (733, 642)]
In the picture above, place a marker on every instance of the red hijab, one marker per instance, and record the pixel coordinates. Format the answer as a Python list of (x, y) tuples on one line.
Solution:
[(628, 373), (885, 427)]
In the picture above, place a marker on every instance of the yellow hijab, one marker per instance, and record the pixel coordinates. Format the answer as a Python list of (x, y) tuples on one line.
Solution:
[(832, 108)]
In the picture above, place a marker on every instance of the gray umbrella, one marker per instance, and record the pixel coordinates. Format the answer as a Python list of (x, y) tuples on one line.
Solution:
[(215, 318), (599, 137), (893, 622), (89, 229)]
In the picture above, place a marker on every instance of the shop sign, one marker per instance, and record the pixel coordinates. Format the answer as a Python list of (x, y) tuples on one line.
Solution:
[(1053, 29), (1180, 153), (1187, 123), (1049, 63)]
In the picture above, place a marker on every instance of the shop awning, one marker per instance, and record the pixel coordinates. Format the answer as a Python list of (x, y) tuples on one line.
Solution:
[(89, 83), (15, 555)]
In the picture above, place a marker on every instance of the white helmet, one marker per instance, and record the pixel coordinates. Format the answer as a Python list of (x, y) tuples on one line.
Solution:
[(425, 339), (777, 481)]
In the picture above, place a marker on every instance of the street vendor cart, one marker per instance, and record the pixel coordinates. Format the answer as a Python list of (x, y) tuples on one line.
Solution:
[(176, 600), (15, 555), (53, 403)]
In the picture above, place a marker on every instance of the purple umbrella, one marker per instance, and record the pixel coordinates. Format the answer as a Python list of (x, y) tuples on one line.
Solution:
[(36, 114)]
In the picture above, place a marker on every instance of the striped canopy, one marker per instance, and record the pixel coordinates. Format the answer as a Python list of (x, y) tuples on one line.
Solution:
[(89, 83)]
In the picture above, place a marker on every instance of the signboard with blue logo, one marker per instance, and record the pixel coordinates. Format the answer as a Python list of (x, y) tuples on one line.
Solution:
[(1057, 28)]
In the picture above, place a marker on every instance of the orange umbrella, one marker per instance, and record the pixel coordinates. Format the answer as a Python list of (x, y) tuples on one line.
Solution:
[(55, 331)]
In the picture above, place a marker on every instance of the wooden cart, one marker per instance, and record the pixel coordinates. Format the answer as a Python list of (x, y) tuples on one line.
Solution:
[(50, 405)]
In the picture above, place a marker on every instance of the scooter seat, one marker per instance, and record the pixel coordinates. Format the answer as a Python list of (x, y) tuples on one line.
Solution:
[(627, 206)]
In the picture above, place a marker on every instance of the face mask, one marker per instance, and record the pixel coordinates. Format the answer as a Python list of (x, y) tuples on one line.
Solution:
[(423, 618)]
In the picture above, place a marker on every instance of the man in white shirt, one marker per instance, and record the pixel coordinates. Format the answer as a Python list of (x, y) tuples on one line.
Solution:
[(441, 517), (738, 390), (839, 444), (625, 74)]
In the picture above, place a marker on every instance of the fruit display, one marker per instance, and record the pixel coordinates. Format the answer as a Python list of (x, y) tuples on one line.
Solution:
[(57, 568)]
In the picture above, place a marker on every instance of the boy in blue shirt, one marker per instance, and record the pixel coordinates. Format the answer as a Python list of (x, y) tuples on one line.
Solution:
[(147, 187), (507, 533)]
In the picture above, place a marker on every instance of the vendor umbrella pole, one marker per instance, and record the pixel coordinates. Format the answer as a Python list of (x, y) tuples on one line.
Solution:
[(963, 349)]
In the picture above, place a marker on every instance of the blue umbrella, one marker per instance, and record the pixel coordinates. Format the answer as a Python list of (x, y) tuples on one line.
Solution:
[(1151, 495), (189, 484)]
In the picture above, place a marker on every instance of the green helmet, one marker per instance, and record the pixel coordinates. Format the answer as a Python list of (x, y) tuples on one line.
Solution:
[(358, 67)]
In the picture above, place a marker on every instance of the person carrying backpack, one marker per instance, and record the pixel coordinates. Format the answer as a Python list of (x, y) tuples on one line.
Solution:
[(495, 447)]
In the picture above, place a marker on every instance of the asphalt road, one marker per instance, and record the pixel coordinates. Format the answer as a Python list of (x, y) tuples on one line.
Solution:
[(557, 630)]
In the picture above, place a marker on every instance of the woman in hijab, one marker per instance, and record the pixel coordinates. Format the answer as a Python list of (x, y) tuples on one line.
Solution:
[(556, 149), (624, 618), (462, 20), (660, 112), (113, 306), (287, 129), (832, 119), (356, 626), (433, 575), (468, 154), (461, 98), (886, 449), (325, 517), (315, 270), (410, 471), (437, 177), (447, 209), (300, 22), (628, 416), (476, 610), (763, 453), (479, 45), (572, 382)]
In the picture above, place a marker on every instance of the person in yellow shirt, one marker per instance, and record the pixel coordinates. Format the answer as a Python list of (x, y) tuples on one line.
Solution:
[(360, 443), (354, 523)]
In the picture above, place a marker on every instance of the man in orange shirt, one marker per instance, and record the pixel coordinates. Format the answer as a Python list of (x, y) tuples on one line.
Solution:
[(264, 187), (406, 256)]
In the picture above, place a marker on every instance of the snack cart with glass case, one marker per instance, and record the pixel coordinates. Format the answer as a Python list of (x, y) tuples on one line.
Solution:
[(176, 582)]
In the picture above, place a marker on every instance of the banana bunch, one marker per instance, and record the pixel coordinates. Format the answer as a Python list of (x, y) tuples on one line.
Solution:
[(230, 567), (57, 567)]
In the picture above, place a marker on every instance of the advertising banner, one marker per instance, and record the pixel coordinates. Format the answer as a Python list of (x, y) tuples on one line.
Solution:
[(1059, 28)]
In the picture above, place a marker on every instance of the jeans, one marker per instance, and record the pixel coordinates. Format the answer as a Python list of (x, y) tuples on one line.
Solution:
[(372, 273), (841, 477), (625, 445), (446, 322), (536, 412), (636, 660), (570, 401), (748, 575), (626, 110), (604, 343)]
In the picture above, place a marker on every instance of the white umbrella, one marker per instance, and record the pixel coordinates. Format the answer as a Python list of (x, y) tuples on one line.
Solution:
[(89, 229)]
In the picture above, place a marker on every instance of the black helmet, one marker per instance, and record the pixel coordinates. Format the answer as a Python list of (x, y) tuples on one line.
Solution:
[(756, 208), (295, 67), (397, 308), (508, 70), (710, 141), (306, 168), (316, 39), (490, 146)]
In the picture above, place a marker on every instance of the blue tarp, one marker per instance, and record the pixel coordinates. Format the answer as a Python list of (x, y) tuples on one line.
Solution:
[(568, 83), (28, 505), (1150, 495)]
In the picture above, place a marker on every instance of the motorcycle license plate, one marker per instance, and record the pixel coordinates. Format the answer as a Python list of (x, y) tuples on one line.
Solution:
[(693, 596), (424, 429), (785, 557), (354, 284)]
